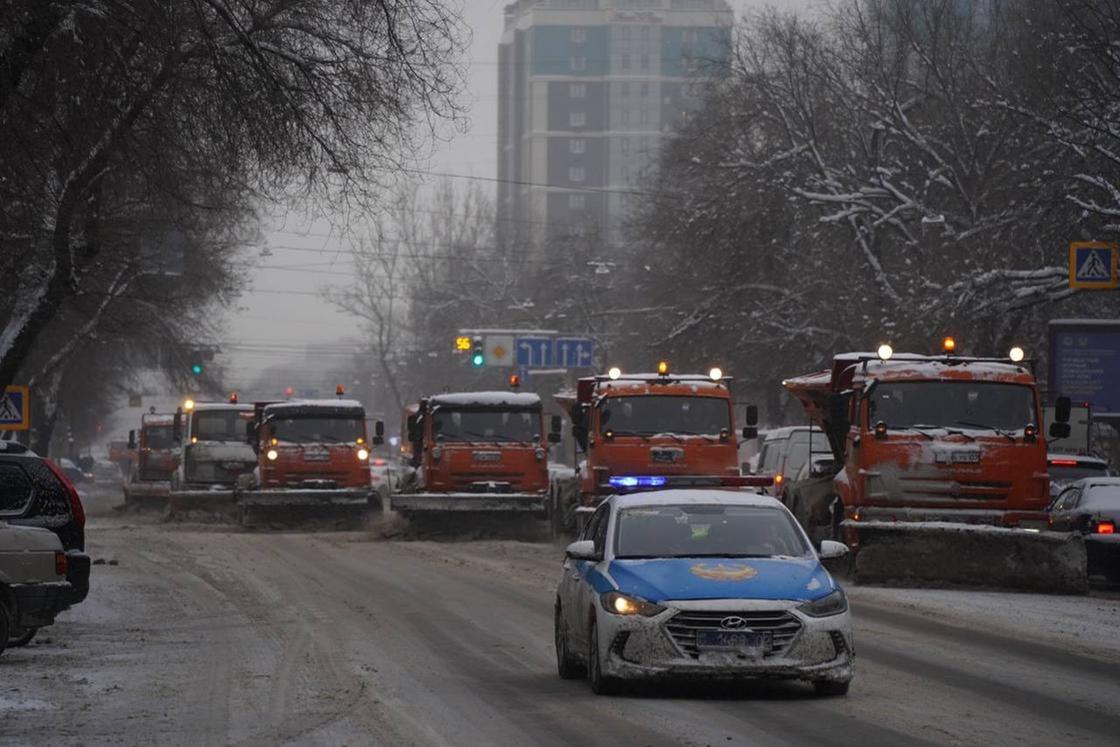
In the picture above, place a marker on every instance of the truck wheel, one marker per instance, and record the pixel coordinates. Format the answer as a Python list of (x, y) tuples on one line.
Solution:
[(22, 637), (567, 666)]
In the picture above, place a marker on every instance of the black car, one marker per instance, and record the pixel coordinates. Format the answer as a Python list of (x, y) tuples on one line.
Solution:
[(1066, 469), (1090, 506), (35, 492)]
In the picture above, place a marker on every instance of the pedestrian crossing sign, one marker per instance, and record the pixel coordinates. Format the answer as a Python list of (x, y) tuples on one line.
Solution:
[(15, 409), (1093, 265)]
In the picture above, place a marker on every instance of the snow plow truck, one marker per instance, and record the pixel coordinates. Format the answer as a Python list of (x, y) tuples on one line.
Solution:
[(939, 471), (215, 454), (476, 452), (312, 460), (648, 431), (156, 458)]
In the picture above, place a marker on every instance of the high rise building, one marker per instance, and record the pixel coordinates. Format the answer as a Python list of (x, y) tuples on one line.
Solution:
[(588, 91)]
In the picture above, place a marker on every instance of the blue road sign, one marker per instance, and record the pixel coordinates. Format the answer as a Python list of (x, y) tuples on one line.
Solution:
[(574, 352), (15, 409), (534, 352), (1093, 264), (1085, 363)]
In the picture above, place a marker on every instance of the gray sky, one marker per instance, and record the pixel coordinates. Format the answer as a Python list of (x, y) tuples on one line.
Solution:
[(283, 311)]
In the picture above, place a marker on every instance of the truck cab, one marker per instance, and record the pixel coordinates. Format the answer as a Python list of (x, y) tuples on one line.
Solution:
[(480, 442), (925, 438), (311, 444), (157, 457), (214, 449)]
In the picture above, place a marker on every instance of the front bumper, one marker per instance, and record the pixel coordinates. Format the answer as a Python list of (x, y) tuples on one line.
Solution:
[(806, 648), (468, 502), (38, 604)]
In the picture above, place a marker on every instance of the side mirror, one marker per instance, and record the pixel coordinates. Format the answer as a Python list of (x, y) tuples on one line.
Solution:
[(831, 549), (824, 468), (838, 412), (1063, 407), (378, 433), (752, 417), (554, 437), (132, 439), (749, 432), (1060, 430), (580, 433), (251, 436), (413, 428), (585, 550), (177, 426), (555, 424)]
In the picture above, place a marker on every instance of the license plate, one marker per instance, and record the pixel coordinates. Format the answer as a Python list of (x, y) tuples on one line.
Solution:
[(487, 456), (316, 456), (666, 456), (733, 640)]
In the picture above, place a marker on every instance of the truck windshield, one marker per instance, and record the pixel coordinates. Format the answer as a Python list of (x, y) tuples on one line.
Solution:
[(311, 430), (968, 405), (702, 530), (486, 425), (158, 437), (647, 415), (220, 425)]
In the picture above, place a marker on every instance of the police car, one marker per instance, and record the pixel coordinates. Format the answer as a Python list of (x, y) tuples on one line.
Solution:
[(700, 583)]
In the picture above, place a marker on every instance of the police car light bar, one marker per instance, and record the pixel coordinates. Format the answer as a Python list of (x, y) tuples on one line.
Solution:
[(637, 481)]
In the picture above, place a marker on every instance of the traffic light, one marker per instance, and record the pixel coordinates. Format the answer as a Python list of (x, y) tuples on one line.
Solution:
[(478, 354), (197, 368)]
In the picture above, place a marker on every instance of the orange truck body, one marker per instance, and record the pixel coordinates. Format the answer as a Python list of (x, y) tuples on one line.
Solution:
[(156, 458), (310, 452), (648, 431), (907, 449), (476, 452)]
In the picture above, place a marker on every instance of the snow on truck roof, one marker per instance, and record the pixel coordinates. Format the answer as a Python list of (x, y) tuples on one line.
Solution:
[(523, 400), (308, 405), (849, 368)]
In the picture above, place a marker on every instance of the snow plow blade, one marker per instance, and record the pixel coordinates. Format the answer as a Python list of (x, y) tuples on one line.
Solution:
[(307, 508), (304, 497), (490, 503), (950, 554), (146, 493), (183, 503)]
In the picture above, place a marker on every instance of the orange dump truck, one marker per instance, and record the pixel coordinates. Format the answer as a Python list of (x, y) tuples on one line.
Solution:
[(924, 445), (312, 454), (484, 452), (156, 458), (647, 431)]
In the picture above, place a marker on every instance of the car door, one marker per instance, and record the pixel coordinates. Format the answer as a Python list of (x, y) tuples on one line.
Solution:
[(570, 582), (1062, 516), (585, 591)]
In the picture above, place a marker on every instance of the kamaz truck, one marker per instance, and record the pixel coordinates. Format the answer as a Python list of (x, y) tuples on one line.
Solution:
[(156, 458), (215, 454)]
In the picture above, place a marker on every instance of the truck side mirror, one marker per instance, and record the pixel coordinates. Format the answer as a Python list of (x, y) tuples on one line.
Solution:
[(132, 439), (251, 436), (1060, 430), (177, 426), (413, 428), (752, 418), (580, 434), (555, 424), (749, 432), (1062, 409), (378, 433), (553, 437)]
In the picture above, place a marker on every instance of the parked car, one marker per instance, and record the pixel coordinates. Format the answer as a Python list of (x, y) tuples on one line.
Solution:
[(1066, 469), (785, 450), (1090, 505), (700, 583), (33, 585), (36, 492), (75, 472)]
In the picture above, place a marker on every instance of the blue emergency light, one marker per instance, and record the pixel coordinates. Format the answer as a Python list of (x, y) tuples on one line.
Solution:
[(634, 481)]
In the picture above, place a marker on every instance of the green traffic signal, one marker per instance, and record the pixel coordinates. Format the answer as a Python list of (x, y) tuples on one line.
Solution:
[(478, 354), (477, 360), (196, 369)]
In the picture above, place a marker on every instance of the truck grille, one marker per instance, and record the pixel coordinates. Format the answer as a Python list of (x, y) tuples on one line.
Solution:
[(954, 490), (783, 627)]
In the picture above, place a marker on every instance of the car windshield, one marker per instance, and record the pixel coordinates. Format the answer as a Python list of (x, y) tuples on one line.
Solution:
[(704, 530), (220, 425), (312, 430), (158, 437), (1076, 471), (486, 425), (1102, 497), (952, 404), (646, 415)]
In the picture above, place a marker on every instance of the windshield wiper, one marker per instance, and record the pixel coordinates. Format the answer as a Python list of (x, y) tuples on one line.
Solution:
[(643, 436), (984, 427), (707, 437), (920, 428)]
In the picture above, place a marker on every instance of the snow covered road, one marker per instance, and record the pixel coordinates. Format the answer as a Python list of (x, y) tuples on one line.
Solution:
[(206, 636)]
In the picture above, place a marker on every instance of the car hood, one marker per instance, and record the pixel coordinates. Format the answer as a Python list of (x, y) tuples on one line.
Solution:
[(682, 579)]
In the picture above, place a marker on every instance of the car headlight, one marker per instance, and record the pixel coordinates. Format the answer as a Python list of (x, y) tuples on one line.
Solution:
[(830, 604), (621, 604)]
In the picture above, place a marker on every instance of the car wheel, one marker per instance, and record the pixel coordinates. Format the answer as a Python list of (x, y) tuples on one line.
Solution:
[(832, 688), (567, 666), (600, 683), (22, 637)]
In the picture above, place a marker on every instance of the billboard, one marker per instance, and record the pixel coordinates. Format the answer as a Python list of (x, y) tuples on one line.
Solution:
[(1085, 362)]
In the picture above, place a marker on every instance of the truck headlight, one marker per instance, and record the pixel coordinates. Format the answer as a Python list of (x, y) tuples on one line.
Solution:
[(618, 603), (272, 455), (363, 455), (826, 606)]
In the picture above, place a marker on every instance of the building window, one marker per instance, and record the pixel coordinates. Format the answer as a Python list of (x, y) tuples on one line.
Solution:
[(645, 89), (576, 174), (644, 114), (644, 62), (577, 90), (624, 89), (577, 146), (577, 119), (577, 202), (579, 63), (625, 116), (579, 36), (625, 62), (625, 145), (624, 33), (645, 33)]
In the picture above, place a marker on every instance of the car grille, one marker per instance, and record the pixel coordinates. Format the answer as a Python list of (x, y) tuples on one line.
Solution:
[(783, 627)]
